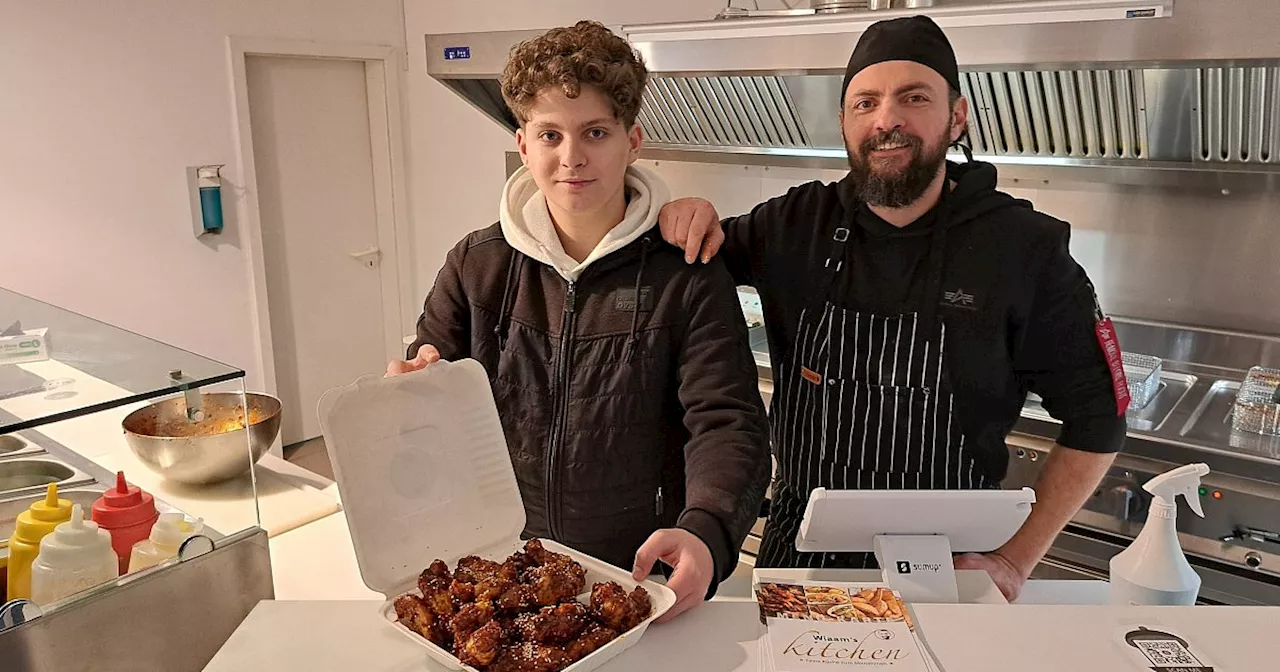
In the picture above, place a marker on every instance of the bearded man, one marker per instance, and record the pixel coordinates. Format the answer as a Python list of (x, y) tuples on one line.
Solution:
[(910, 307)]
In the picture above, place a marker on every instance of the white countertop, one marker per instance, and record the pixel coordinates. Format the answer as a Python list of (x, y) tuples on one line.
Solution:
[(345, 636), (719, 636)]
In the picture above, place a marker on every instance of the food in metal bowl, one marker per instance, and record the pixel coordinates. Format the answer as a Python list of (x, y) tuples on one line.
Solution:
[(213, 450)]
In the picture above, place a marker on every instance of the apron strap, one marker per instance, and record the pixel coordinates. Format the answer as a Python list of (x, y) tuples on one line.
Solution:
[(835, 261), (937, 263)]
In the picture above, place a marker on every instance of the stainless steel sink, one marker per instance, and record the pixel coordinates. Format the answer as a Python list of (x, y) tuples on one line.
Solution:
[(1174, 387), (12, 445), (32, 474), (1211, 422)]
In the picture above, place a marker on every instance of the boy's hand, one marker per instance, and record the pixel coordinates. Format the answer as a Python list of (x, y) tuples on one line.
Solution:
[(691, 560), (427, 354), (692, 225)]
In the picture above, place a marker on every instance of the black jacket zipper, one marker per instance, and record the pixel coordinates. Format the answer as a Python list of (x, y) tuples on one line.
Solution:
[(559, 422)]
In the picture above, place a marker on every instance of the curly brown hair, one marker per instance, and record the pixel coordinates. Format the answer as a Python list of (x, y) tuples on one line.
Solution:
[(585, 53)]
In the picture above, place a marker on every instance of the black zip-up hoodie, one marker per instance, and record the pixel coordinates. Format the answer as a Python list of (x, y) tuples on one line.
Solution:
[(629, 398), (1020, 312)]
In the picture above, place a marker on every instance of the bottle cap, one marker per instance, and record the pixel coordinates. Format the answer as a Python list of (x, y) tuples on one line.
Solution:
[(124, 505), (42, 517), (1184, 480), (71, 540), (172, 529)]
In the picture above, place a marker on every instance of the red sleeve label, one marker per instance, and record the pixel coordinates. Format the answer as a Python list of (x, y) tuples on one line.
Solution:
[(1111, 350), (811, 375)]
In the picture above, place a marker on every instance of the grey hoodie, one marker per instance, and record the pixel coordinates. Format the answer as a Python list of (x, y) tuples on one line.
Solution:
[(527, 224)]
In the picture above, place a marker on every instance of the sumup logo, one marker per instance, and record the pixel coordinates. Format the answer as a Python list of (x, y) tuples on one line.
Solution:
[(906, 567)]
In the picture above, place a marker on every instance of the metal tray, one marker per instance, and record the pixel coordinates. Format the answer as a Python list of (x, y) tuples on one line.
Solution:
[(1173, 388), (32, 475), (1210, 423), (12, 445)]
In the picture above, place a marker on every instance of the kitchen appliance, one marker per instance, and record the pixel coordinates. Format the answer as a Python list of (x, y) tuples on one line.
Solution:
[(211, 450)]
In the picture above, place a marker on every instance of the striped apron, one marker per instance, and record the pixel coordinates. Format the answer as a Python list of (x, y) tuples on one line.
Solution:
[(862, 402)]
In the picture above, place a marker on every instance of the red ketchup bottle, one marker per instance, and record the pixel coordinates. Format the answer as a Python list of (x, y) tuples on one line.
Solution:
[(128, 514)]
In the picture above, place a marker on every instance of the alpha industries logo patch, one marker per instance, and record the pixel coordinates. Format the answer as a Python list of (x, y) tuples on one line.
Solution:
[(959, 298)]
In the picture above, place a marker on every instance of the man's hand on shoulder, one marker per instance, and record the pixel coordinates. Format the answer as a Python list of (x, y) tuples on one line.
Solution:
[(692, 225)]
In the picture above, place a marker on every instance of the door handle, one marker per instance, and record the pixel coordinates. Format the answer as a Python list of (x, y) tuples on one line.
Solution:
[(370, 256)]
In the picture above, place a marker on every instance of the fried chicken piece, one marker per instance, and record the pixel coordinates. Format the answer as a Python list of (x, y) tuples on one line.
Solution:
[(509, 630), (434, 582), (463, 592), (641, 602), (416, 616), (615, 608), (435, 577), (482, 647), (556, 582), (517, 563), (594, 637), (530, 657), (541, 556), (440, 602), (492, 587), (469, 619), (554, 625), (517, 598), (473, 569)]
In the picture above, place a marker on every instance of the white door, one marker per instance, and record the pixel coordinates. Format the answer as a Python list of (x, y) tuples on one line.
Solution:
[(317, 206)]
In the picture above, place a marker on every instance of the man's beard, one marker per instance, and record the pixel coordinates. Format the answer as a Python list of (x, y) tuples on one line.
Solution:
[(893, 189)]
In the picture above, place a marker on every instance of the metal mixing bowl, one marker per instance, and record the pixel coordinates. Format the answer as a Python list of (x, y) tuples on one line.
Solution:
[(205, 452)]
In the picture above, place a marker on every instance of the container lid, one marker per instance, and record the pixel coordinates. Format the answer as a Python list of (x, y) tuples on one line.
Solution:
[(422, 466), (43, 516), (124, 505), (75, 542), (171, 529)]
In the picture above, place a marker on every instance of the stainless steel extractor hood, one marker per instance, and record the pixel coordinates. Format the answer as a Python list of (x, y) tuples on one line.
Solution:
[(1083, 90)]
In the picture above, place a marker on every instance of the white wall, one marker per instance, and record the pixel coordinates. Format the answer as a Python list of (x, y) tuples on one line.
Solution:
[(457, 165), (102, 105)]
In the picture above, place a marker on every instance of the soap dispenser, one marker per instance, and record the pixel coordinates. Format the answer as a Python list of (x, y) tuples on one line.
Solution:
[(76, 557)]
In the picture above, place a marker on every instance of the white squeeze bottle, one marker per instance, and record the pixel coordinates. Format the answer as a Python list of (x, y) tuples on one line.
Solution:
[(1154, 570), (76, 556), (170, 530)]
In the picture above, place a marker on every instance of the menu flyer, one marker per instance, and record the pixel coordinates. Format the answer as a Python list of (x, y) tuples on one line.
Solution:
[(838, 627)]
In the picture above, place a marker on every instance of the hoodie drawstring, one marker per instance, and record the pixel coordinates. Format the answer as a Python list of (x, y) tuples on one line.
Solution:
[(635, 305), (514, 266)]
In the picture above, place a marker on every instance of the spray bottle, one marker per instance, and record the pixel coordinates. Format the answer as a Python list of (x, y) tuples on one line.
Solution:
[(1154, 570)]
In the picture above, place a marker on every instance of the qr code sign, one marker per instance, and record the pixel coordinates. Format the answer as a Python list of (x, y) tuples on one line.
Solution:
[(1167, 654)]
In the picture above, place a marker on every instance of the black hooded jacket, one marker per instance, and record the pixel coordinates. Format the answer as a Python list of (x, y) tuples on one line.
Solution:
[(1020, 312)]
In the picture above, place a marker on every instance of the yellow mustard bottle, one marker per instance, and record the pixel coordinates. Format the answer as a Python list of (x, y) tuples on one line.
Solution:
[(34, 524)]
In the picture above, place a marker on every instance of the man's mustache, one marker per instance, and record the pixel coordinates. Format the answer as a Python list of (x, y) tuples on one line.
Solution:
[(895, 136)]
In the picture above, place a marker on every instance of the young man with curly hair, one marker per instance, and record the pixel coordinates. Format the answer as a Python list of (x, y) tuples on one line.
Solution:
[(626, 387)]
